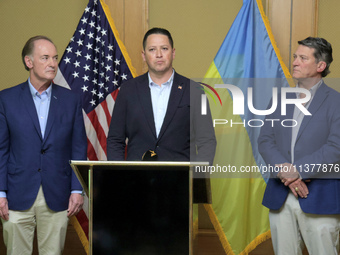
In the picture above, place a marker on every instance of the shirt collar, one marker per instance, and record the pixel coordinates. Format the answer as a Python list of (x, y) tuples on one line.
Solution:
[(312, 90), (35, 92), (151, 83)]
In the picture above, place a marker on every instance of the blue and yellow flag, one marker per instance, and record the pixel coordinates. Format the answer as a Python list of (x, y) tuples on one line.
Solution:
[(247, 58)]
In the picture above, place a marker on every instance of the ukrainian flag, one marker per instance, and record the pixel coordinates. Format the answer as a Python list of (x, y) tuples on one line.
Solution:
[(247, 58)]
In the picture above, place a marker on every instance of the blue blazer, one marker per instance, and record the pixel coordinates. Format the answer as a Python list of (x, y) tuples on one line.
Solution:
[(27, 160), (183, 127), (318, 142)]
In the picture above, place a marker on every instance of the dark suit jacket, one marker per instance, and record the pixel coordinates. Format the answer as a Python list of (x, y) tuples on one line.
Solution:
[(318, 142), (27, 160), (183, 128)]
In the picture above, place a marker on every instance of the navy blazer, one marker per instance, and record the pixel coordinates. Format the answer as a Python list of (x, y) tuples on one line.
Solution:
[(27, 160), (317, 142), (183, 127)]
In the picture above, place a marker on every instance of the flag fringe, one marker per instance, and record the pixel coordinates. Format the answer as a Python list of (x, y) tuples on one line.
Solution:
[(116, 35), (276, 49), (258, 240), (224, 241), (219, 230), (81, 234), (195, 229)]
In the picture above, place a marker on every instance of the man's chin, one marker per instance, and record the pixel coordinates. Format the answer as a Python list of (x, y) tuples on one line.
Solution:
[(296, 76), (163, 70), (51, 76)]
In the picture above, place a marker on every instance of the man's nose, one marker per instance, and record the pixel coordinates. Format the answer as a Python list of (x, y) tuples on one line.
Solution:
[(159, 53), (295, 62)]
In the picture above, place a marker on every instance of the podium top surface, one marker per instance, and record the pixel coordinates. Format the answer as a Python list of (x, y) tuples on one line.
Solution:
[(136, 163), (82, 167)]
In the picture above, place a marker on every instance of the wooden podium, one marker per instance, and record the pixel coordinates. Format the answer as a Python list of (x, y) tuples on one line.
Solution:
[(138, 207)]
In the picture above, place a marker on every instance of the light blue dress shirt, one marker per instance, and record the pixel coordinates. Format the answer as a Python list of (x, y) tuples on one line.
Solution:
[(160, 97), (298, 116), (42, 105)]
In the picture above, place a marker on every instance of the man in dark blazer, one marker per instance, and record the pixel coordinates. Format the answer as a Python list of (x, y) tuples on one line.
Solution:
[(41, 129), (136, 116), (160, 111), (304, 196)]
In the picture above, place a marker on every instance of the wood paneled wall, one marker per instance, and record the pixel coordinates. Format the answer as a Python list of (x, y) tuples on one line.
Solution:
[(131, 20), (291, 21)]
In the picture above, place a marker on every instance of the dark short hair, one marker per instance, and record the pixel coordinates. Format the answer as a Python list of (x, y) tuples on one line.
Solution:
[(29, 47), (322, 51), (157, 30)]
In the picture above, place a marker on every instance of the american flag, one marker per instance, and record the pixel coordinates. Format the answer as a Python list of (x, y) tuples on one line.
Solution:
[(94, 64)]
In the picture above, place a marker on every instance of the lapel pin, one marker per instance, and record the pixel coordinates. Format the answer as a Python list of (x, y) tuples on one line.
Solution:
[(179, 87)]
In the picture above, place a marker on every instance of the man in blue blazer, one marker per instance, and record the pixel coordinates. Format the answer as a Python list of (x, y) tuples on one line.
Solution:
[(304, 195), (160, 111), (41, 129)]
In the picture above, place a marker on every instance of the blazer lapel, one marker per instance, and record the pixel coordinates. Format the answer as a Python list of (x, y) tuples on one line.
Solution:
[(177, 90), (52, 110), (143, 90), (28, 103), (319, 97)]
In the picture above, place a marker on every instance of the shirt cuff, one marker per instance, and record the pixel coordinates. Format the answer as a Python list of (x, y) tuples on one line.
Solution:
[(77, 191), (3, 194)]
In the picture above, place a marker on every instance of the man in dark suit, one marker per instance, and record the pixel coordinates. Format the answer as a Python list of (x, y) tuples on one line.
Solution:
[(41, 129), (160, 111), (304, 196)]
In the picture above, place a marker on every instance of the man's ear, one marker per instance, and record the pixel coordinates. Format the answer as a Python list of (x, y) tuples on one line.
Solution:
[(143, 55), (321, 66), (28, 62)]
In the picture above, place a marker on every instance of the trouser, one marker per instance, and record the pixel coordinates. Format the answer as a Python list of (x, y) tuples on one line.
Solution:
[(291, 228), (51, 226)]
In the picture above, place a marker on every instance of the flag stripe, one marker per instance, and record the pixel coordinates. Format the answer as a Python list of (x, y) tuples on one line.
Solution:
[(110, 101), (92, 136), (60, 80), (100, 138), (101, 113), (106, 111), (91, 153)]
